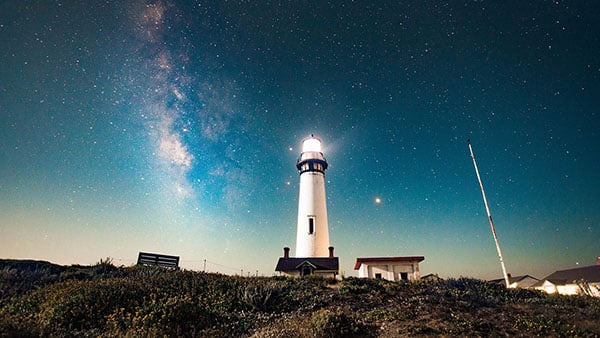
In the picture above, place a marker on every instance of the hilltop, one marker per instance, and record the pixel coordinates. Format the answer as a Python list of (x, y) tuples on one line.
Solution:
[(44, 299)]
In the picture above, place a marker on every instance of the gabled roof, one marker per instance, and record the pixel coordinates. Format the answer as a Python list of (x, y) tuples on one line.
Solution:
[(360, 261), (317, 263), (587, 273), (512, 279)]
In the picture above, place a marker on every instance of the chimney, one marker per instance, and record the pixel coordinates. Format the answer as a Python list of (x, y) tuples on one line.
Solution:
[(331, 252), (286, 252)]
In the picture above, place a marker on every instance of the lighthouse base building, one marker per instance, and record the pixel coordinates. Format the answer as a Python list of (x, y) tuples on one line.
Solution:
[(308, 266)]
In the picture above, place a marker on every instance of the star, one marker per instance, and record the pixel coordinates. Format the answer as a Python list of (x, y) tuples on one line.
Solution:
[(180, 132)]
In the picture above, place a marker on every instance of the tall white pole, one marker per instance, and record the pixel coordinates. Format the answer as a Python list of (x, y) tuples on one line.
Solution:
[(487, 209)]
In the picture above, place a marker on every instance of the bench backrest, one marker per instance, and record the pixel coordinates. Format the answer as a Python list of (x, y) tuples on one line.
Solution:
[(146, 258)]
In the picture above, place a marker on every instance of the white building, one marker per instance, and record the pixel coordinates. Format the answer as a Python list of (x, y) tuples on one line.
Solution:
[(391, 268), (577, 281)]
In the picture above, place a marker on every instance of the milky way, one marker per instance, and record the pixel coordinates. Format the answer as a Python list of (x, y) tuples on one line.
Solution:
[(174, 127)]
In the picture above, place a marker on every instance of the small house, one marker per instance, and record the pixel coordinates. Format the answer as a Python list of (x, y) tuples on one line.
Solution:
[(578, 281), (404, 268), (308, 266)]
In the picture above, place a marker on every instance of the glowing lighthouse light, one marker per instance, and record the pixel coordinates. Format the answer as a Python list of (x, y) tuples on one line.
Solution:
[(311, 144), (312, 236)]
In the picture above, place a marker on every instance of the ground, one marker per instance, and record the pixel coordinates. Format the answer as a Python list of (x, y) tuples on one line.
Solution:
[(43, 299)]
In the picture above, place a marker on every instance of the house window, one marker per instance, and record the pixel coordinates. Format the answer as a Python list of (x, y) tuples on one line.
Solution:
[(377, 276), (311, 225), (306, 271), (404, 275)]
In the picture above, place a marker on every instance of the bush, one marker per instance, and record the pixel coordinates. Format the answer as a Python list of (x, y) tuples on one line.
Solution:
[(102, 300), (261, 296), (327, 323), (356, 286)]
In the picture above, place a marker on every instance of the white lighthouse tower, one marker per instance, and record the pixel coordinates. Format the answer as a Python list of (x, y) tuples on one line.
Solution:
[(312, 238), (314, 256)]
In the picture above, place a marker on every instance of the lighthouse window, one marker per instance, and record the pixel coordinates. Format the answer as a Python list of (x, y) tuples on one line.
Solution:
[(311, 225)]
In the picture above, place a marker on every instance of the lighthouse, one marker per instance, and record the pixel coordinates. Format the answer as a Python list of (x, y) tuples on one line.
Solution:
[(312, 233), (314, 256)]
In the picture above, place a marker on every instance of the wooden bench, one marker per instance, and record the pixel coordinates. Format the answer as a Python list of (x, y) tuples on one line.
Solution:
[(153, 259)]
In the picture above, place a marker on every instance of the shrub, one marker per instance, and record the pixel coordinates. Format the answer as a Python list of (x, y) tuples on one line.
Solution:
[(261, 296), (102, 300), (388, 314), (76, 306), (103, 268), (326, 323), (355, 286), (304, 294)]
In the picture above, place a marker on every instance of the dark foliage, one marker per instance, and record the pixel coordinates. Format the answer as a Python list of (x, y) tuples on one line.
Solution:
[(42, 299)]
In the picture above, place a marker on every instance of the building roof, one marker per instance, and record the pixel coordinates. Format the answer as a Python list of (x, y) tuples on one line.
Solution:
[(431, 276), (318, 263), (587, 273), (360, 261), (512, 279)]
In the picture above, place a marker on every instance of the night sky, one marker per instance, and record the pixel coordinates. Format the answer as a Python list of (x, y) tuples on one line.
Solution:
[(174, 127)]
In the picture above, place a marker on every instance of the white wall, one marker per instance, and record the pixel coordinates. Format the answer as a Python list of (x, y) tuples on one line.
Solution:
[(391, 272), (569, 289), (312, 204), (363, 271)]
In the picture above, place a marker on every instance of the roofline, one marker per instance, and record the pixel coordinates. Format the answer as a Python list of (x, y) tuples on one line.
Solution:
[(575, 269), (560, 274), (512, 279), (306, 262), (360, 261)]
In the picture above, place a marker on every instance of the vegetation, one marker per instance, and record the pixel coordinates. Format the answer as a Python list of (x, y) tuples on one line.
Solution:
[(42, 299)]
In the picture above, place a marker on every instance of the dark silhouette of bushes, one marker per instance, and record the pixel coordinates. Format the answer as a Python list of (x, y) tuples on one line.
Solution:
[(41, 299)]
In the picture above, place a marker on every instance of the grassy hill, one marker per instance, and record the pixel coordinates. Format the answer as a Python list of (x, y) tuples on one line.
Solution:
[(43, 299)]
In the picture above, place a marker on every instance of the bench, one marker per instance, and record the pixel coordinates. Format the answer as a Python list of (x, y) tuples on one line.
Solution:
[(153, 259)]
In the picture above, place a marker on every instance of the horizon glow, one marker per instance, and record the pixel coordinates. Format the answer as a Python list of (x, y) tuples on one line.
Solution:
[(171, 127)]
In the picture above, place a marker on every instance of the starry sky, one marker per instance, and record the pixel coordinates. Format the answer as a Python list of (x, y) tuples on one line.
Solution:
[(174, 127)]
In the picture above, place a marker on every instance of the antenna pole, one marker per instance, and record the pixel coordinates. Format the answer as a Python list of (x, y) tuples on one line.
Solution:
[(487, 209)]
